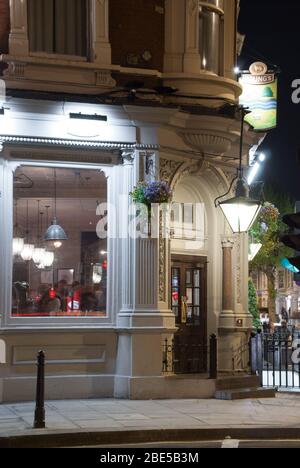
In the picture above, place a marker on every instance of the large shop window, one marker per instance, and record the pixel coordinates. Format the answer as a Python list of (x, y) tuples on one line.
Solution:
[(61, 273), (58, 26), (211, 34)]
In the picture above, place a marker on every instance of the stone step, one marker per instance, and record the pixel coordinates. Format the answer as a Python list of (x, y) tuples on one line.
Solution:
[(245, 394), (234, 382)]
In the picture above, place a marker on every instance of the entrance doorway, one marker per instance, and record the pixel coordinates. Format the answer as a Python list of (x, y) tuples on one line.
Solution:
[(189, 304)]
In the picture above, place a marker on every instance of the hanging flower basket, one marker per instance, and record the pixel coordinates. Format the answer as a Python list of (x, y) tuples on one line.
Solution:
[(149, 193)]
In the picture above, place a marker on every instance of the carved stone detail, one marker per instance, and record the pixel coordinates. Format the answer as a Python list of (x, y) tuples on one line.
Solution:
[(15, 70), (168, 169), (103, 78), (193, 7), (206, 143), (162, 260), (238, 268)]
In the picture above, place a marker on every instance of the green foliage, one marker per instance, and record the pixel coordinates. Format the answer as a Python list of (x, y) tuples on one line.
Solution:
[(268, 229), (253, 305)]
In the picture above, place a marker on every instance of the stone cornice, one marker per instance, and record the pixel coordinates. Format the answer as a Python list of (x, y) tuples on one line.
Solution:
[(67, 143)]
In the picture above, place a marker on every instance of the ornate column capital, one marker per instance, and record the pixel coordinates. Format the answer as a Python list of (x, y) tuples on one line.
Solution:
[(128, 156), (227, 243)]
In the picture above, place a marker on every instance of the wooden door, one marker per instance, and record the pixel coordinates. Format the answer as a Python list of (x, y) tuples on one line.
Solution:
[(189, 304)]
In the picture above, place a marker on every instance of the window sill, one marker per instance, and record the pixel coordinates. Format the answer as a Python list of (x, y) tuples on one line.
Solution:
[(91, 328), (75, 62), (61, 57)]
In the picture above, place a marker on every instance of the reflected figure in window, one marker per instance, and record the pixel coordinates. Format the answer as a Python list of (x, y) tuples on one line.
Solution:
[(49, 305), (88, 300)]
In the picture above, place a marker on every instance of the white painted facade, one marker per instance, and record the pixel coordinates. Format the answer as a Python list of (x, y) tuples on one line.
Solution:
[(121, 354)]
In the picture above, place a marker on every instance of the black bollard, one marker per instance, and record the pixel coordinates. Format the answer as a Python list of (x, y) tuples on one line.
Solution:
[(39, 415)]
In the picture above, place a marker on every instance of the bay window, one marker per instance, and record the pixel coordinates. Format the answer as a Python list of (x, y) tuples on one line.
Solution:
[(211, 32), (53, 275), (58, 27)]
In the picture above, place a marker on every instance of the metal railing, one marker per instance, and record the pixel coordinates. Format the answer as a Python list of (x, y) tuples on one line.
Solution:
[(275, 357), (190, 358)]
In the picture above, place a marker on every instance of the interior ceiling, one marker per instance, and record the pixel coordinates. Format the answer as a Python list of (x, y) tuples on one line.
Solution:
[(32, 182), (78, 194)]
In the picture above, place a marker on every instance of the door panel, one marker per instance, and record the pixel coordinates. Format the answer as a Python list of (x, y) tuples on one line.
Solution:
[(190, 309)]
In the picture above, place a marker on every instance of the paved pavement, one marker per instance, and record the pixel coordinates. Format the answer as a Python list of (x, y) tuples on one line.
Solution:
[(119, 416)]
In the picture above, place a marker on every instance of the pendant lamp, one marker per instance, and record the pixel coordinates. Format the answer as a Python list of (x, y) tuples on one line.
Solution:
[(18, 241), (28, 249), (55, 233)]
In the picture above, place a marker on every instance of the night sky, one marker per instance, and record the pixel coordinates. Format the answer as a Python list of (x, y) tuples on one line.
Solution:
[(273, 36)]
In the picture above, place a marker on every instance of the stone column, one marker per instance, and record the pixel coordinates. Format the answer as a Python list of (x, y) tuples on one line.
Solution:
[(101, 48), (235, 320), (192, 60), (18, 38), (227, 246), (230, 42), (142, 324), (227, 326), (174, 36), (182, 37)]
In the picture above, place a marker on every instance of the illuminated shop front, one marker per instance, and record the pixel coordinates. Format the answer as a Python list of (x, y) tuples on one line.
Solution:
[(65, 276)]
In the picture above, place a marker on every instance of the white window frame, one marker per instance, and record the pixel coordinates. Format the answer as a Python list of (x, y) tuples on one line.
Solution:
[(99, 49), (7, 169)]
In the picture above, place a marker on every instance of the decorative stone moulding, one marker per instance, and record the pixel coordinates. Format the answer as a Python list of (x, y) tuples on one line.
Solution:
[(207, 143), (56, 75), (199, 85)]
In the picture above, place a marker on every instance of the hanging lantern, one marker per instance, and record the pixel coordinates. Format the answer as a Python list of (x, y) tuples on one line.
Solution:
[(240, 211), (18, 241), (28, 248), (38, 255), (55, 233), (48, 259), (18, 245)]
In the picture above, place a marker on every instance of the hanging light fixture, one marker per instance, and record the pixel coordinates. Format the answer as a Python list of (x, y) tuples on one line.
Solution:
[(241, 210), (254, 249), (55, 233), (49, 256), (39, 251), (18, 241), (28, 248)]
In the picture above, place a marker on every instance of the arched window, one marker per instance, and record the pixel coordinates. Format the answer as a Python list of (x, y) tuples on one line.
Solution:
[(211, 32)]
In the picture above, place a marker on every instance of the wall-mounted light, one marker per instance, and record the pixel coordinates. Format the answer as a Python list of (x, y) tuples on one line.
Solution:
[(254, 249), (241, 210), (80, 116)]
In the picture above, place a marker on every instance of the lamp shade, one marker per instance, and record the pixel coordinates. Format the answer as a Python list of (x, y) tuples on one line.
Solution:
[(38, 255), (27, 252), (55, 233), (48, 259), (18, 245), (240, 212), (253, 250)]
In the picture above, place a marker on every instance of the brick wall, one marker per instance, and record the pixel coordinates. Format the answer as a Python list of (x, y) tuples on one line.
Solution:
[(4, 25), (137, 26)]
